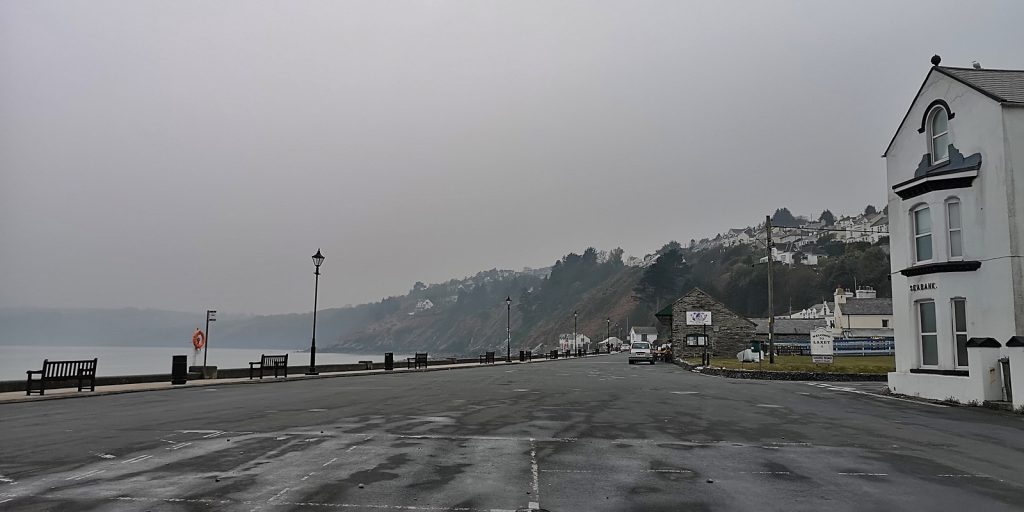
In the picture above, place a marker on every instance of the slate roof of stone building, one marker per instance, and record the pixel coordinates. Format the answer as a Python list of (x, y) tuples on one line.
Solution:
[(1002, 85), (866, 307), (789, 325)]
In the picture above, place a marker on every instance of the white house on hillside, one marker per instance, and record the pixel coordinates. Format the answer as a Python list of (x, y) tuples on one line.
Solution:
[(648, 334), (955, 171)]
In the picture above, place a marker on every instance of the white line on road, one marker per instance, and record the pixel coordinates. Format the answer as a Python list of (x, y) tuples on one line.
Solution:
[(177, 446), (5, 480), (278, 495), (864, 474), (86, 474), (535, 470), (769, 405), (685, 392), (874, 395), (215, 433), (133, 460), (332, 461), (765, 472)]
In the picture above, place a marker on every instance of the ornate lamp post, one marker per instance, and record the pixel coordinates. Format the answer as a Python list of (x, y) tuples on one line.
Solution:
[(318, 259), (508, 330), (608, 334)]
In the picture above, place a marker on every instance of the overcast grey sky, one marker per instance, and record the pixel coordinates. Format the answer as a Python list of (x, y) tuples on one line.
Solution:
[(194, 154)]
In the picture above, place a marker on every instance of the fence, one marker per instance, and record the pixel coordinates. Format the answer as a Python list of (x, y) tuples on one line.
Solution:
[(842, 347)]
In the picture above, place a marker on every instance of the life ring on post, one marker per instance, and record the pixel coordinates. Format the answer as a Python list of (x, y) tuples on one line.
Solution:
[(198, 339)]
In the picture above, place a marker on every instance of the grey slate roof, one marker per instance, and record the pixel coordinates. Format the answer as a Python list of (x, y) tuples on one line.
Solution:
[(866, 307), (789, 325), (645, 330), (1002, 85)]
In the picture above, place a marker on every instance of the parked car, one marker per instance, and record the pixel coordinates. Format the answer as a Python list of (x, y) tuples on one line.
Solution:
[(640, 351)]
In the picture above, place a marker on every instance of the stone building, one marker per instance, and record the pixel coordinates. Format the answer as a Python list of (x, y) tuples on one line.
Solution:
[(726, 334)]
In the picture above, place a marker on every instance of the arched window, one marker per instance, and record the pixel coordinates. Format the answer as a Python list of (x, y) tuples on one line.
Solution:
[(922, 221), (938, 134)]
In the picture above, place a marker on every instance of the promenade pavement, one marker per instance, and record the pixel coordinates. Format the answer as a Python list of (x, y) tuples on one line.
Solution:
[(588, 434)]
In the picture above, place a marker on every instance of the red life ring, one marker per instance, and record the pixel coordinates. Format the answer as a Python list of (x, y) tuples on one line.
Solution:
[(198, 339)]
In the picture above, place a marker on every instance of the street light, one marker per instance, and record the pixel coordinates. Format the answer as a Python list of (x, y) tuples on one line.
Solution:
[(574, 338), (608, 334), (508, 330), (318, 259)]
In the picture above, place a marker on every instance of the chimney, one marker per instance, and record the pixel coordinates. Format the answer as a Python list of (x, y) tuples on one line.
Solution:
[(841, 295), (866, 292)]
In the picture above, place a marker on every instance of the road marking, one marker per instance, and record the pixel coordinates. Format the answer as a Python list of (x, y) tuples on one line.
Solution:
[(765, 472), (874, 395), (278, 495), (769, 405), (317, 410), (520, 390), (669, 471), (133, 460), (328, 463), (685, 392), (177, 446), (864, 474), (6, 500), (216, 433), (535, 470), (566, 471), (963, 476), (86, 474), (5, 480)]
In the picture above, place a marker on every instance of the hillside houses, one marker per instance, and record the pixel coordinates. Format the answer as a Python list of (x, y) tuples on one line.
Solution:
[(791, 241)]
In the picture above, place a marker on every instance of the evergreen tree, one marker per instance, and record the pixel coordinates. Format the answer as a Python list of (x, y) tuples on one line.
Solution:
[(783, 218), (870, 210), (827, 218)]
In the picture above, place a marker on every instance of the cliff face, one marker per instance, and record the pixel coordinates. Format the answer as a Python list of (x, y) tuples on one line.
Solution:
[(469, 319)]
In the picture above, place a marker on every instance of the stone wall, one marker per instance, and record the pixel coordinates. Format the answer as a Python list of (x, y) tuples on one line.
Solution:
[(728, 333)]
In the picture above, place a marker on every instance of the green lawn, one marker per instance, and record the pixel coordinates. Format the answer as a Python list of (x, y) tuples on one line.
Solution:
[(845, 364)]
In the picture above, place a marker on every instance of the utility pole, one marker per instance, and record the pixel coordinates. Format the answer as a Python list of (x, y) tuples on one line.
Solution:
[(771, 308)]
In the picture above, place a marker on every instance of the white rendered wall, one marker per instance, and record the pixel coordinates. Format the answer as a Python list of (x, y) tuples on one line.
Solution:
[(994, 306)]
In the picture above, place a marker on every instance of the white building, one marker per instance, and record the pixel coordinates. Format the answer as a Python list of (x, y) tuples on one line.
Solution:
[(955, 171), (648, 334), (565, 342), (861, 315)]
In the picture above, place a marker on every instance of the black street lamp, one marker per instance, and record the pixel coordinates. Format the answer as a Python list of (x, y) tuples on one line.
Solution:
[(318, 259), (508, 330)]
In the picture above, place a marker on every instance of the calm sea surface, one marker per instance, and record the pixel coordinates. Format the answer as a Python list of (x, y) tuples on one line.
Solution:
[(14, 360)]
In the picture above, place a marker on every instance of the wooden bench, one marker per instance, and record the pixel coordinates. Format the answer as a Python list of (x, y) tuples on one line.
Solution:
[(55, 371), (420, 359), (277, 363), (487, 358)]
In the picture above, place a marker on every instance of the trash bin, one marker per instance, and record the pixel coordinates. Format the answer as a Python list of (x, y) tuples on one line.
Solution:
[(179, 370), (522, 356), (389, 361)]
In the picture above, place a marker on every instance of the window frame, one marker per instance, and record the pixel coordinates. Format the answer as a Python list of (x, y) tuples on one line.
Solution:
[(700, 340), (950, 229), (964, 333), (932, 135), (921, 333), (931, 231)]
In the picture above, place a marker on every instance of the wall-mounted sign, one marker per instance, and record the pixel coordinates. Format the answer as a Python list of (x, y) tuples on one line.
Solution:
[(922, 286), (698, 318), (822, 345)]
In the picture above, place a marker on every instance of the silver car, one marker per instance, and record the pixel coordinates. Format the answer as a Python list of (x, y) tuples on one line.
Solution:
[(640, 352)]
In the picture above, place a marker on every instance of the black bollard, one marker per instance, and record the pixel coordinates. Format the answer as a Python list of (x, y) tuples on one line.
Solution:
[(389, 361), (179, 370)]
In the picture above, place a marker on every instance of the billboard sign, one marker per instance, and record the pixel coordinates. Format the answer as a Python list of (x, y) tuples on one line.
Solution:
[(698, 318)]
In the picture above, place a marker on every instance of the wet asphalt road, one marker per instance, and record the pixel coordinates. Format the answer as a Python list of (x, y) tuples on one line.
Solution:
[(581, 435)]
